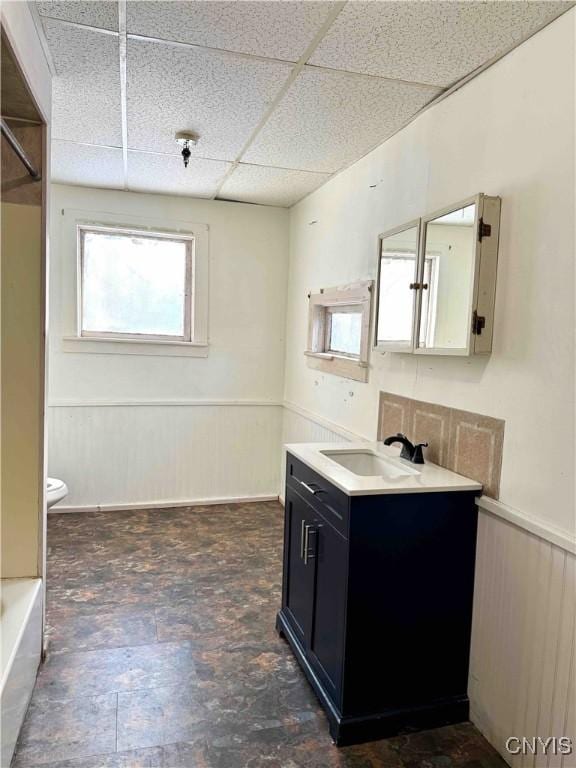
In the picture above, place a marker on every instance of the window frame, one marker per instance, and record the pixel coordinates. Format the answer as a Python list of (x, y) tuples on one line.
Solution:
[(68, 313), (187, 239), (355, 298)]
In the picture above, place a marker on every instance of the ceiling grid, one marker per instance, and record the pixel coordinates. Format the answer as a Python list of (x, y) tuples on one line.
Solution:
[(283, 94), (291, 78), (122, 52)]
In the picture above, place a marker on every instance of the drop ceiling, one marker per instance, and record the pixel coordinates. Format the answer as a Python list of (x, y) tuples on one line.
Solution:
[(283, 93)]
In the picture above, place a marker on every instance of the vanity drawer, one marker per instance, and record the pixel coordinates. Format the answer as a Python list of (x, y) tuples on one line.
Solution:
[(328, 501)]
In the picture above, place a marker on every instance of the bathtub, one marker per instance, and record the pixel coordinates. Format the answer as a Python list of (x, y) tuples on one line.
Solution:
[(20, 650)]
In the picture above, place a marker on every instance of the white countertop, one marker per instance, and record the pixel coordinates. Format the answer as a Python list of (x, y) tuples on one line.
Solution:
[(429, 478)]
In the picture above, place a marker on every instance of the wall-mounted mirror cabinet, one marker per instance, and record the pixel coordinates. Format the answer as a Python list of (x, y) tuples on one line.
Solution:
[(437, 281)]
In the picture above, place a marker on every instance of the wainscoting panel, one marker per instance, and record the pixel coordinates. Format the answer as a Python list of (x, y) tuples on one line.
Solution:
[(156, 453), (300, 427), (522, 660)]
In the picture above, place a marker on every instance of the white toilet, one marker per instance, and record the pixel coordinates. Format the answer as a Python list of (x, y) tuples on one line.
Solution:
[(56, 490)]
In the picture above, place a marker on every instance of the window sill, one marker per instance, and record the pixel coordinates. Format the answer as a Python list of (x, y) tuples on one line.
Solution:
[(109, 346), (334, 356), (338, 365)]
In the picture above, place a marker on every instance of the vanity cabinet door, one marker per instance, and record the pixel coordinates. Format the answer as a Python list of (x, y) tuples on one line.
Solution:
[(326, 652), (299, 567)]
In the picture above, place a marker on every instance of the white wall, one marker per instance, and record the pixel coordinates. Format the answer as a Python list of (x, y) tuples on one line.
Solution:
[(131, 429), (509, 132)]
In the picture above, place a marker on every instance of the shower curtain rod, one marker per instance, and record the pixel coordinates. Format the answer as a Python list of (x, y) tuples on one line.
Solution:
[(19, 150)]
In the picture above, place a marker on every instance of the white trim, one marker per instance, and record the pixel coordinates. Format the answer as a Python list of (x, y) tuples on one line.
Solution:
[(188, 241), (144, 402), (73, 218), (163, 504), (106, 345), (541, 528), (356, 297)]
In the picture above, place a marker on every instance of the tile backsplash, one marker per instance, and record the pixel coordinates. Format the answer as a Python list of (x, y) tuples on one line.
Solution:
[(465, 442)]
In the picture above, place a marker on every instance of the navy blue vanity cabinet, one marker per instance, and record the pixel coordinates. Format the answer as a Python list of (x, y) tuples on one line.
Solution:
[(298, 591), (377, 603), (314, 588)]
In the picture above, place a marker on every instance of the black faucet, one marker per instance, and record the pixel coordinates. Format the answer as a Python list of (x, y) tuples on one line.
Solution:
[(409, 451)]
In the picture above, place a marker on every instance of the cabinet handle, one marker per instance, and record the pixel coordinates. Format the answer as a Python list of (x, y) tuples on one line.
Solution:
[(308, 488), (307, 531), (302, 539)]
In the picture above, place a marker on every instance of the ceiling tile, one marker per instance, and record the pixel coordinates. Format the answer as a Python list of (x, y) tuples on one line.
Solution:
[(281, 30), (270, 186), (87, 166), (86, 88), (166, 174), (220, 96), (328, 119), (100, 13), (428, 42)]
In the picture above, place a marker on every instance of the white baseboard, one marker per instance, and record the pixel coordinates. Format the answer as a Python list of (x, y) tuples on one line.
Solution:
[(162, 504)]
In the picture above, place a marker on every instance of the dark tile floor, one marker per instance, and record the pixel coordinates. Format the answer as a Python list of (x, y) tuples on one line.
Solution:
[(163, 654)]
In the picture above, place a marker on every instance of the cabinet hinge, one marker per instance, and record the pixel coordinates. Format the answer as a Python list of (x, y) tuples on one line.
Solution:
[(478, 323), (484, 230)]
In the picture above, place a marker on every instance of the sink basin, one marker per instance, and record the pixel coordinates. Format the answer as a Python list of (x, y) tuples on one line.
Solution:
[(369, 464)]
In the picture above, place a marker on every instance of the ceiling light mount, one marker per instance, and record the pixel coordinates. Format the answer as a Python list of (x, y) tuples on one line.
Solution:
[(185, 139)]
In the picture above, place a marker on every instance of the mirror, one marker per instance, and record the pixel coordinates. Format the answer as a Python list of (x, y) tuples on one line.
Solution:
[(447, 279), (397, 272)]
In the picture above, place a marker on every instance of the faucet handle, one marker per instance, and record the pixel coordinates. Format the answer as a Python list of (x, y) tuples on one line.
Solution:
[(417, 455)]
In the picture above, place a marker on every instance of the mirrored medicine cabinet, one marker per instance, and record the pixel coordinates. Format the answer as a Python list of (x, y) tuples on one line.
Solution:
[(437, 281)]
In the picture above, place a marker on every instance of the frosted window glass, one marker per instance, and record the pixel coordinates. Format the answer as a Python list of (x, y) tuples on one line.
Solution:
[(345, 332), (133, 284)]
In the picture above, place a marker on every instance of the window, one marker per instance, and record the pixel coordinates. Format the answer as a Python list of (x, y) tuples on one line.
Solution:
[(344, 330), (338, 331), (136, 285)]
